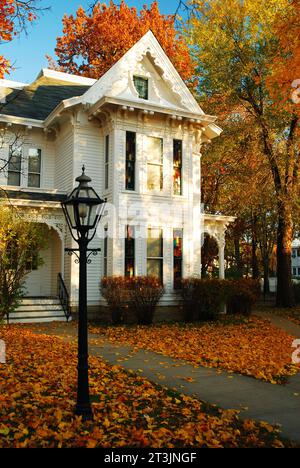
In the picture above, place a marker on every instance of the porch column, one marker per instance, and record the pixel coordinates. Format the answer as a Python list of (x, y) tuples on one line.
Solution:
[(221, 245)]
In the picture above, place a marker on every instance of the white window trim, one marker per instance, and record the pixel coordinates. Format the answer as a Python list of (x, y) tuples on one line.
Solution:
[(24, 173)]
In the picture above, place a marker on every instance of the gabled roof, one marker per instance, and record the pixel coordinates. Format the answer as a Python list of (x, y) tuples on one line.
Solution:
[(148, 45), (39, 99)]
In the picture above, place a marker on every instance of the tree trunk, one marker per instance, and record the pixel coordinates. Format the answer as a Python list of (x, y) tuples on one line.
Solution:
[(266, 276), (255, 266), (238, 259), (284, 256)]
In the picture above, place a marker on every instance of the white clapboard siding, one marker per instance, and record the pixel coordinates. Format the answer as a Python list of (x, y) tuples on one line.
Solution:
[(64, 163)]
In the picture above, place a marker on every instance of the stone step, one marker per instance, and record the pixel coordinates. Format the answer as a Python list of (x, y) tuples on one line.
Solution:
[(38, 310), (37, 313), (39, 301), (39, 307), (38, 320)]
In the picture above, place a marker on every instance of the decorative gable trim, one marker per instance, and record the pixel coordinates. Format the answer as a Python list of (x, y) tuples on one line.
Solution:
[(120, 72)]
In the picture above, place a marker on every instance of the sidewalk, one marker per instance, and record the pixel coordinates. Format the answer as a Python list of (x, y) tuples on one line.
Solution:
[(275, 404), (281, 322)]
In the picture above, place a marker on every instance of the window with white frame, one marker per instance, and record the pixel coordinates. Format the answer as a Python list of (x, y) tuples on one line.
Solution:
[(177, 167), (178, 257), (106, 162), (130, 252), (155, 253), (105, 252), (142, 86), (14, 166), (34, 167), (155, 157), (130, 161)]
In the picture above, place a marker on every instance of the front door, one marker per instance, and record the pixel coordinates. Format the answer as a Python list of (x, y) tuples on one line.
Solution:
[(38, 282)]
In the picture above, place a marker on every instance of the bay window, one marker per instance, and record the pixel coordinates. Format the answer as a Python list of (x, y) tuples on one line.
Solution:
[(177, 167), (154, 150), (155, 253), (177, 244), (129, 252), (130, 160)]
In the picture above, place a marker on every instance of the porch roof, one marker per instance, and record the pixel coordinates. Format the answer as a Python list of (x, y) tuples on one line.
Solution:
[(33, 196)]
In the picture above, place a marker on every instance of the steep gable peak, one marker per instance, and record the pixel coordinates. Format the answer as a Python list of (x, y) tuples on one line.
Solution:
[(146, 58)]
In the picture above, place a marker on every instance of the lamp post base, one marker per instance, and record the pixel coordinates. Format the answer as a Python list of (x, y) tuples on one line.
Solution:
[(85, 411)]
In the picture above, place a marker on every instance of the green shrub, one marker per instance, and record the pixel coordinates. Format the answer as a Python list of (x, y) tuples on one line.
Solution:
[(139, 295), (243, 294), (203, 298)]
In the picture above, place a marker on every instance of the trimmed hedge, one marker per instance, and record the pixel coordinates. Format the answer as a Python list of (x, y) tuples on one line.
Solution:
[(139, 294), (204, 299), (243, 294)]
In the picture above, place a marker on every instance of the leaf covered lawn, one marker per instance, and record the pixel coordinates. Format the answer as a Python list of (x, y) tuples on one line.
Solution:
[(252, 347), (37, 398)]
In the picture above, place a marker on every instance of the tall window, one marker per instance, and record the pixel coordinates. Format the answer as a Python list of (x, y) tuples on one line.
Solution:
[(130, 160), (106, 162), (155, 253), (34, 167), (177, 167), (142, 87), (177, 239), (129, 252), (155, 151), (14, 166), (105, 253)]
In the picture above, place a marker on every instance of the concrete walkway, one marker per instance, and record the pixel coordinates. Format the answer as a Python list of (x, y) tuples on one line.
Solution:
[(275, 404), (281, 322)]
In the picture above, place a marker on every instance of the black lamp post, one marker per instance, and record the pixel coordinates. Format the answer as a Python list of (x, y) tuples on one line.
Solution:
[(83, 210)]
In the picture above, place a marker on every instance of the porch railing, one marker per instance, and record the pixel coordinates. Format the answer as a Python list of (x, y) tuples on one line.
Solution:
[(63, 296)]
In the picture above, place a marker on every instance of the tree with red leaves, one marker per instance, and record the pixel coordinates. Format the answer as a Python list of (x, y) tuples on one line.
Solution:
[(92, 42)]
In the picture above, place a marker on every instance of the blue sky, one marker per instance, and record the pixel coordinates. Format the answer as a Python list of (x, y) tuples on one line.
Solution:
[(27, 53)]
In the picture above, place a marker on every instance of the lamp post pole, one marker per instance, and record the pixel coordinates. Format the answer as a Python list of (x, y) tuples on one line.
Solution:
[(81, 209), (83, 407)]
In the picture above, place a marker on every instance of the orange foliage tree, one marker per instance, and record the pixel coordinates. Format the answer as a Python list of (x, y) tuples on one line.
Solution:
[(92, 42), (14, 17), (284, 82)]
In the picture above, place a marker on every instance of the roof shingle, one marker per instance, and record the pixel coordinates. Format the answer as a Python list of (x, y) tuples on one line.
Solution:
[(38, 100)]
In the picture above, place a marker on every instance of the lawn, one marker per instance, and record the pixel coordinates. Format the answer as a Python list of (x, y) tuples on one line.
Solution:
[(38, 386), (252, 347)]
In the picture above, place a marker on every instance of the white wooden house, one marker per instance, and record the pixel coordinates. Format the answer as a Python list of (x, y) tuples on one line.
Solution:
[(138, 130), (296, 259)]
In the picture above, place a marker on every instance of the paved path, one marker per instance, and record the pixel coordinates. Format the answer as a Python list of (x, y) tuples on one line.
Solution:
[(276, 404), (281, 322)]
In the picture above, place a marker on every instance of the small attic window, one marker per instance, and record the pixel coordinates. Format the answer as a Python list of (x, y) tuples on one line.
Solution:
[(142, 87)]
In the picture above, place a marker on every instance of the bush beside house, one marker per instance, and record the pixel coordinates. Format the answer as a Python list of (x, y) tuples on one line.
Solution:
[(139, 295), (135, 299)]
